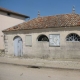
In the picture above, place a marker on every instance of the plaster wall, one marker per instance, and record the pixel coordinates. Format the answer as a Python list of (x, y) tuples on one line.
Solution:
[(40, 49), (7, 21)]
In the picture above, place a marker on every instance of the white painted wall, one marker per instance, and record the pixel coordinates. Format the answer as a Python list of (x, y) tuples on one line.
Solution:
[(6, 22)]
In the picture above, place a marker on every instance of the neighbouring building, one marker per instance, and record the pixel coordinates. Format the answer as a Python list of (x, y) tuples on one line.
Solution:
[(49, 37), (7, 19)]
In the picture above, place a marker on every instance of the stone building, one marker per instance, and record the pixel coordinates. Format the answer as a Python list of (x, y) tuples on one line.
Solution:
[(7, 19), (48, 37)]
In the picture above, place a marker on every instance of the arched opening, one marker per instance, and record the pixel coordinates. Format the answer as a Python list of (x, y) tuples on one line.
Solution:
[(73, 37), (43, 38), (17, 37), (18, 46)]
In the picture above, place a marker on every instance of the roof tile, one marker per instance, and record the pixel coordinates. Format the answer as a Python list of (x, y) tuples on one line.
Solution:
[(64, 20)]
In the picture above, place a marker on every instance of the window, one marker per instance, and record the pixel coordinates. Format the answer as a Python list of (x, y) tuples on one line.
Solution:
[(43, 38), (73, 37), (28, 40), (54, 40)]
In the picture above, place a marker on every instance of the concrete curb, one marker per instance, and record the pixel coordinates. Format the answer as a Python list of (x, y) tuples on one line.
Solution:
[(40, 63)]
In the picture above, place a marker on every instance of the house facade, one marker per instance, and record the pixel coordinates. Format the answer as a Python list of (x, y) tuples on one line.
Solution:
[(50, 37), (7, 19)]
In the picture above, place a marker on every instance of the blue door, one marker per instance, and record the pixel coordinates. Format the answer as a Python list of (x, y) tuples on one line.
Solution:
[(18, 46)]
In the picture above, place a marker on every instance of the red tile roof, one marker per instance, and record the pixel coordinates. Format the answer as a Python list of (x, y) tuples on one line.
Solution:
[(64, 20), (15, 13)]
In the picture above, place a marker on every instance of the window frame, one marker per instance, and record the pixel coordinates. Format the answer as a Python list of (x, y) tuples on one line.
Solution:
[(54, 45), (41, 40), (26, 42), (72, 40)]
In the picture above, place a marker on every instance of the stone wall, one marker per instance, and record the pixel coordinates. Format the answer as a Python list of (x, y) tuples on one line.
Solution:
[(39, 49), (2, 52)]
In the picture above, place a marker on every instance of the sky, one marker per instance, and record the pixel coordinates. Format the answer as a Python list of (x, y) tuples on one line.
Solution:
[(45, 7)]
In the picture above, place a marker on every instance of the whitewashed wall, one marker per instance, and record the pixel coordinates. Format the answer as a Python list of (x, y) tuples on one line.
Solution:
[(39, 49), (6, 22)]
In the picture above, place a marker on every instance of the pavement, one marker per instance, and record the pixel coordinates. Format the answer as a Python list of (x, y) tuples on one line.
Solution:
[(41, 63)]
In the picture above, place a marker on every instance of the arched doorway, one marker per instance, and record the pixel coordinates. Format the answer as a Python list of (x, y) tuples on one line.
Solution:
[(18, 46)]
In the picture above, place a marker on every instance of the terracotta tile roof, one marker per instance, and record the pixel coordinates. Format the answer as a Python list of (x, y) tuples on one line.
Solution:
[(64, 20), (15, 13)]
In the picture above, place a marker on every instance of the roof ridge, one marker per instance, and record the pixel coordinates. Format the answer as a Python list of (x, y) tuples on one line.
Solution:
[(56, 15)]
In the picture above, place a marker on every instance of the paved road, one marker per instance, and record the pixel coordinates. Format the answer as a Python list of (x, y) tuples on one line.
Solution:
[(12, 72)]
